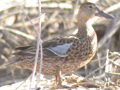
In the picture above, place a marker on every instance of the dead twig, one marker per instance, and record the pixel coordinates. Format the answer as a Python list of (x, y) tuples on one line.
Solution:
[(39, 47), (49, 20), (107, 70), (102, 58), (115, 63), (96, 70), (28, 23), (18, 32), (23, 82), (40, 44)]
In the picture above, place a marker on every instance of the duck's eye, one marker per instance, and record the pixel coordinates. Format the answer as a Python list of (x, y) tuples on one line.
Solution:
[(90, 6)]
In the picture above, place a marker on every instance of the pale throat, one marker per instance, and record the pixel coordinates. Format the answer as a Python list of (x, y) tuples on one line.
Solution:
[(90, 29), (85, 28)]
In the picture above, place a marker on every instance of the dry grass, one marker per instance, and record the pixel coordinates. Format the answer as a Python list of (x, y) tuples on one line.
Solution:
[(20, 21)]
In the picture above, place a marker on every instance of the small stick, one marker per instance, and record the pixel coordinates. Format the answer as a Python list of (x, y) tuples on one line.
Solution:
[(52, 16), (107, 69), (40, 45), (95, 70), (23, 82), (18, 32), (37, 50)]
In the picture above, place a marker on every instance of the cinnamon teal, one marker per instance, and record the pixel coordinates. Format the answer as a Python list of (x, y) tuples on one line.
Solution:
[(68, 53)]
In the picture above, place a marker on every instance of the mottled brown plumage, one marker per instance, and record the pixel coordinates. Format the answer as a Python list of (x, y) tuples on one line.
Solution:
[(67, 53)]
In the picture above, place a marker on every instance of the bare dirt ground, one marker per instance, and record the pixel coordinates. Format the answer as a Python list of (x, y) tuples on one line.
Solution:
[(59, 19)]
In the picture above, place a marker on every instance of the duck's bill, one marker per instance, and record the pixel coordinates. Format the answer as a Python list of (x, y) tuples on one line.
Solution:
[(102, 14)]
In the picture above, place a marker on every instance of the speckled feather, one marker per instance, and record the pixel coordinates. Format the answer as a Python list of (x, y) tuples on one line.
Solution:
[(78, 55), (67, 53)]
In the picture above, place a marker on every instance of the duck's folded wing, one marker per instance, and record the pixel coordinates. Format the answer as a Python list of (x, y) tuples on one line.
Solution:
[(50, 49), (60, 50), (56, 51)]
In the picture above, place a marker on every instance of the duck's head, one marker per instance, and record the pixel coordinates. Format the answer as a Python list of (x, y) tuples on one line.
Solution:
[(89, 10)]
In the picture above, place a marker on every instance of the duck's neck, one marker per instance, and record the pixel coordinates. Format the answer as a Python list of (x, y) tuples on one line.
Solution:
[(84, 28)]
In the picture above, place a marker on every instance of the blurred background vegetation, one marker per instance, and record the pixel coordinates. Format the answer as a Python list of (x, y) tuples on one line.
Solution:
[(58, 19)]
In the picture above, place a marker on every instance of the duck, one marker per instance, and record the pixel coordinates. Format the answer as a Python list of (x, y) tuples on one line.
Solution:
[(65, 54)]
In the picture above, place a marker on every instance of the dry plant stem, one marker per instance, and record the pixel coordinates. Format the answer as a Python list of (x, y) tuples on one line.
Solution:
[(86, 70), (95, 70), (97, 77), (57, 5), (35, 64), (8, 6), (4, 57), (113, 7), (23, 82), (10, 14), (28, 23), (37, 50), (18, 32), (107, 68), (115, 85), (99, 63), (40, 44), (115, 63), (114, 73), (23, 19), (115, 53), (102, 58), (4, 41), (75, 7), (49, 20), (27, 17)]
